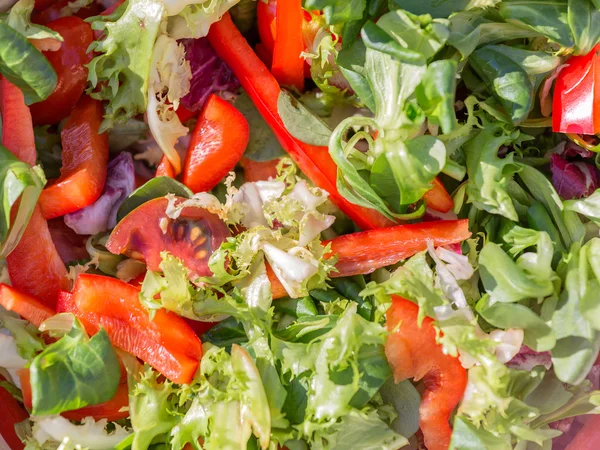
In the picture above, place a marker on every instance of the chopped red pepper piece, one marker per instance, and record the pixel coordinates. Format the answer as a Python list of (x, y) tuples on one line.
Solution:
[(216, 145), (259, 170), (576, 101), (288, 64), (11, 413), (264, 91), (85, 159), (413, 352), (165, 169), (28, 307), (17, 126), (437, 198)]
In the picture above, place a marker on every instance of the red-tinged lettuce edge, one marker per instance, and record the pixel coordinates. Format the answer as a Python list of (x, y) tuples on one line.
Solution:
[(573, 179)]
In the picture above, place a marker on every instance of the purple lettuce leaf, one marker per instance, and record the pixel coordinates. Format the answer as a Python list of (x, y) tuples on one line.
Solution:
[(102, 214), (528, 358), (209, 73), (573, 179)]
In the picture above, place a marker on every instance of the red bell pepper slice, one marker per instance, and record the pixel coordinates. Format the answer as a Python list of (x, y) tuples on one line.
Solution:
[(363, 252), (259, 170), (85, 159), (217, 144), (28, 307), (288, 64), (576, 101), (266, 13), (69, 62), (165, 169), (413, 352), (17, 127), (110, 410), (437, 198), (11, 413), (35, 253), (264, 91)]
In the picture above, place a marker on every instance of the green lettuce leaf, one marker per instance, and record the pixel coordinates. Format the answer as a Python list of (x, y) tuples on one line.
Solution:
[(74, 372), (195, 19), (19, 18), (27, 337), (436, 94), (122, 67)]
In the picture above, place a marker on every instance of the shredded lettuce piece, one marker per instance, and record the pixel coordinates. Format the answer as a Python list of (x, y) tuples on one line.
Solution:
[(191, 19)]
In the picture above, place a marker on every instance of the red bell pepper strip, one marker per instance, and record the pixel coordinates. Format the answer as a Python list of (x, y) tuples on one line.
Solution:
[(110, 410), (266, 13), (26, 306), (85, 159), (413, 352), (69, 63), (264, 91), (363, 252), (217, 144), (11, 413), (35, 253), (288, 64), (258, 170), (17, 127), (165, 169), (576, 101), (437, 198)]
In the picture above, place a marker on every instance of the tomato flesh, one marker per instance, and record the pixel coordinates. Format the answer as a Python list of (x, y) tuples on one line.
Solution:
[(413, 352), (217, 144), (69, 63), (192, 237)]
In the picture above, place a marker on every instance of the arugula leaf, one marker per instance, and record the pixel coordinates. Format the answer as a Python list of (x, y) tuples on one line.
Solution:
[(489, 175), (25, 66), (122, 67), (549, 18), (154, 188), (436, 94), (74, 372), (18, 180)]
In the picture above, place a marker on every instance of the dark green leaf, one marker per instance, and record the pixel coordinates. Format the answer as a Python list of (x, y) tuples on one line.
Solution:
[(406, 400), (374, 371), (49, 150), (263, 145), (25, 66), (351, 61), (436, 94), (296, 400), (377, 39), (436, 8), (226, 333), (18, 180), (155, 188), (584, 20), (300, 122), (547, 17), (506, 80), (74, 372), (338, 11), (297, 307)]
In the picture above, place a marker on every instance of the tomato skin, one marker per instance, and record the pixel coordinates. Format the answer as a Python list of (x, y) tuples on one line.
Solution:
[(11, 413), (259, 170), (576, 101), (139, 236), (266, 13), (109, 410), (69, 63), (85, 161), (264, 91), (55, 11), (437, 198), (288, 64), (28, 307), (217, 144), (413, 352), (17, 127)]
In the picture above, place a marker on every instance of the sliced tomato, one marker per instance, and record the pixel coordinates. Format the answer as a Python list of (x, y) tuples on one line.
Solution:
[(217, 144), (69, 62), (110, 410), (192, 237), (84, 159), (258, 170), (315, 162), (28, 307), (413, 352), (166, 342), (17, 127), (576, 101), (437, 198), (11, 413), (165, 169), (288, 64)]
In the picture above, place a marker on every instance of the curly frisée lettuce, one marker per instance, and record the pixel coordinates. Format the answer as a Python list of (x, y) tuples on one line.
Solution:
[(121, 68), (192, 19)]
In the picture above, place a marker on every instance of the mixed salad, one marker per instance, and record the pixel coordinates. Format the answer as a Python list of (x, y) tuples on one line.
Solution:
[(300, 224)]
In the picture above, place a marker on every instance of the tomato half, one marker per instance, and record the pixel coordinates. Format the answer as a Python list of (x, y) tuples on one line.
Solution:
[(413, 352), (217, 144), (11, 413), (192, 237), (69, 63), (84, 162)]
